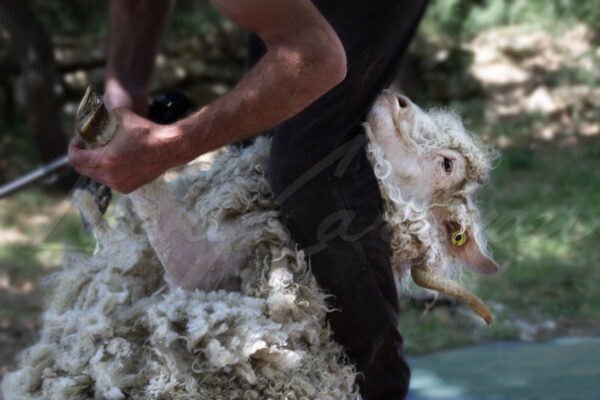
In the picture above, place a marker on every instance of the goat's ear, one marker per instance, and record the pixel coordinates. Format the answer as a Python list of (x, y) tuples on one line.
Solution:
[(463, 246)]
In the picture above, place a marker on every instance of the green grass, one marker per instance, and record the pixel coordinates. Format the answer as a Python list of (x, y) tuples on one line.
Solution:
[(35, 230), (543, 211)]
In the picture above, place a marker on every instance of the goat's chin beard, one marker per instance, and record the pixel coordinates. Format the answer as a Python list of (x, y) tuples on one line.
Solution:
[(440, 284)]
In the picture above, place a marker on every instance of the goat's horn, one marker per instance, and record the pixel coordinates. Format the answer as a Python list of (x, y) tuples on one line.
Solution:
[(431, 281), (94, 122)]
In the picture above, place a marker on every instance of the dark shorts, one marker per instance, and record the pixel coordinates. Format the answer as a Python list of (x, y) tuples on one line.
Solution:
[(328, 195)]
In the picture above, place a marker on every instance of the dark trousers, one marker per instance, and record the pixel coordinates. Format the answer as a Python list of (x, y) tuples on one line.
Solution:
[(328, 195)]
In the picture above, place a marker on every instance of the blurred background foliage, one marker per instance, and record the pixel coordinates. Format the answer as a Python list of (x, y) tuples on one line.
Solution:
[(523, 74), (462, 19)]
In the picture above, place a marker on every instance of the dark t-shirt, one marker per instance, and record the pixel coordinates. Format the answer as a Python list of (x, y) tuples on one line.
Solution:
[(324, 183)]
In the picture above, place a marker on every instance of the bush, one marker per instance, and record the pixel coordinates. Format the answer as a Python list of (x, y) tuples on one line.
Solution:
[(461, 19)]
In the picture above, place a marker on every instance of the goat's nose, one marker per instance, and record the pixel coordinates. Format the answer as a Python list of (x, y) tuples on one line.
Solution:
[(403, 101)]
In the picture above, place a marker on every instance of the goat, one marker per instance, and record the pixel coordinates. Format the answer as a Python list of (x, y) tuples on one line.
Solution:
[(117, 326)]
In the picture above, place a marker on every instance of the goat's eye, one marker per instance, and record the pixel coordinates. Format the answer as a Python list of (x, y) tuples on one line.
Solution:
[(447, 164), (459, 238)]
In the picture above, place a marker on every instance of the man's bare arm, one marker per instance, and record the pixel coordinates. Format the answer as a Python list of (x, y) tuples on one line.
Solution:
[(135, 32), (304, 60)]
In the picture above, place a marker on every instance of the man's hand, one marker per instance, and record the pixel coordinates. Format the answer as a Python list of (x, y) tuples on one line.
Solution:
[(138, 154), (117, 96), (304, 59)]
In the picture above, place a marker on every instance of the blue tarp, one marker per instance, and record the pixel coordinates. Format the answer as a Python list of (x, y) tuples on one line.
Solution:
[(561, 369)]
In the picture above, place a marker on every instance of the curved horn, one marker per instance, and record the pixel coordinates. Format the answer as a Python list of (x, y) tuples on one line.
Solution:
[(438, 283)]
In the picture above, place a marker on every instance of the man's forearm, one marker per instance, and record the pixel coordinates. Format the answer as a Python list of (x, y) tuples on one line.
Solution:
[(286, 80), (135, 32), (304, 59)]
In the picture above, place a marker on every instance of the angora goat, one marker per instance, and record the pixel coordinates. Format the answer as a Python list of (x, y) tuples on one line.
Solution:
[(116, 326)]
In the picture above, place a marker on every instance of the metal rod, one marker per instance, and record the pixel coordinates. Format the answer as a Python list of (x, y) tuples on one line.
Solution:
[(33, 176)]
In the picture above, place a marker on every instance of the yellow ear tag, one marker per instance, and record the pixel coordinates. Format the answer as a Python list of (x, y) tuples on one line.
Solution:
[(459, 238)]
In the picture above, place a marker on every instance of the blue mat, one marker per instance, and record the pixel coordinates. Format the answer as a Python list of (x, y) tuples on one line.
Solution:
[(561, 369)]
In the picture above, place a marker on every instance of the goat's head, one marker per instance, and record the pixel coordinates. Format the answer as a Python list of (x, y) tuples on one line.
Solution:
[(429, 167)]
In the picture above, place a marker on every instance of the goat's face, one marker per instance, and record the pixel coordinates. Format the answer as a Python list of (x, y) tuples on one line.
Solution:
[(435, 165), (463, 242), (402, 130)]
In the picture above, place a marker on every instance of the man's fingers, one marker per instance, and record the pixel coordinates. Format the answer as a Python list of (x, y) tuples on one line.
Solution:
[(76, 157), (101, 177), (76, 141), (93, 173), (89, 158), (86, 171)]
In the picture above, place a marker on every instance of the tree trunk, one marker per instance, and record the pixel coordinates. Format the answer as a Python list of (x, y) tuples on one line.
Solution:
[(34, 48)]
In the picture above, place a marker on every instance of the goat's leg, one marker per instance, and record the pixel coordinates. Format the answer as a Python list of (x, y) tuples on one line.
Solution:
[(191, 259)]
